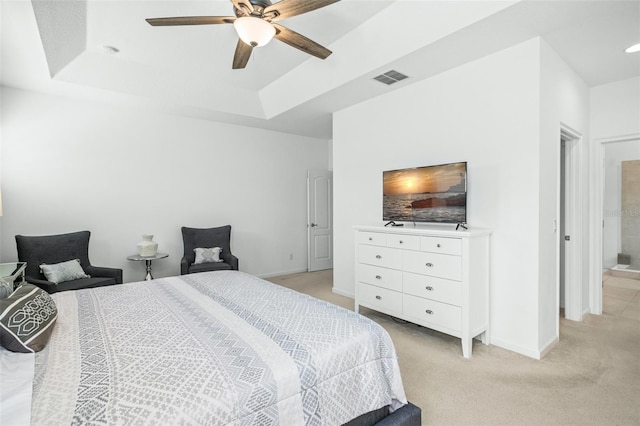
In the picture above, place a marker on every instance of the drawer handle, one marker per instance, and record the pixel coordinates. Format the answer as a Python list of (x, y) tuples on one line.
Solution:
[(370, 239), (378, 277), (429, 265), (429, 311), (378, 256), (379, 297), (438, 245), (429, 288), (401, 241)]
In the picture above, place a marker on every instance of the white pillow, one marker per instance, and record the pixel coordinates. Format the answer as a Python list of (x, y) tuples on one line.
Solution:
[(63, 271), (207, 255)]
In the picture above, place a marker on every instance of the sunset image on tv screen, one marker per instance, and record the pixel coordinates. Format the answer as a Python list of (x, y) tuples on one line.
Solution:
[(426, 194), (446, 178)]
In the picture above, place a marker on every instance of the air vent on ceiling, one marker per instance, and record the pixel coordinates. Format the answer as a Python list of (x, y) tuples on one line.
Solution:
[(390, 77)]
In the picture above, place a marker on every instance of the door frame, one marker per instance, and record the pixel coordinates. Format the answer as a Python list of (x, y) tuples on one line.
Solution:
[(597, 215), (573, 224)]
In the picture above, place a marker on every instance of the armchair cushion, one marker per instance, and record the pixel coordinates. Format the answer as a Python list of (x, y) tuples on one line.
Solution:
[(207, 255), (63, 271), (114, 274), (84, 283), (203, 267)]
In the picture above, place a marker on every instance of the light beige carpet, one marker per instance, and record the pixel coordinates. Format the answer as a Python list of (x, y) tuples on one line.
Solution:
[(591, 377)]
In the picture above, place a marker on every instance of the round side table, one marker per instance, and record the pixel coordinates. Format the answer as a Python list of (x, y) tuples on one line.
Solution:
[(147, 259)]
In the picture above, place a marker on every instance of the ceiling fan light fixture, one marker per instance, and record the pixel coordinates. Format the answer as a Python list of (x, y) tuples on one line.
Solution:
[(254, 31), (633, 49)]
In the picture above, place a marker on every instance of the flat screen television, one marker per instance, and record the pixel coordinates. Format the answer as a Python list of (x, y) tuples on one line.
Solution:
[(426, 194)]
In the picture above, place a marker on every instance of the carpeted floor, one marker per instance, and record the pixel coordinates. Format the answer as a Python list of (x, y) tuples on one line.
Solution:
[(591, 377)]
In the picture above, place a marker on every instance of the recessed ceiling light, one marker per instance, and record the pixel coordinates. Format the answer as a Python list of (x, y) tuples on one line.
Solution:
[(633, 49), (110, 50)]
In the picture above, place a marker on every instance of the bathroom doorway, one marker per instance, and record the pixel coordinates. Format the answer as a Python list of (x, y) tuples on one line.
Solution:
[(621, 209)]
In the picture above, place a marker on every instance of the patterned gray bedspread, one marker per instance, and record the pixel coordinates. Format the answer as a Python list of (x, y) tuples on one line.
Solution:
[(217, 348)]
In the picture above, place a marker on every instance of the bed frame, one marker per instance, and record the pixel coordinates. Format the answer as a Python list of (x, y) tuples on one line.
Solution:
[(407, 415)]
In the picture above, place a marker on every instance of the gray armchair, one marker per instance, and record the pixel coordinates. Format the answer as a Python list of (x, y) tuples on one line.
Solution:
[(50, 249), (207, 238)]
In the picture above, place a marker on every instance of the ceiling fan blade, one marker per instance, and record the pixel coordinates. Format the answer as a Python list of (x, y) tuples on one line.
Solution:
[(287, 8), (242, 55), (244, 6), (301, 42), (191, 20)]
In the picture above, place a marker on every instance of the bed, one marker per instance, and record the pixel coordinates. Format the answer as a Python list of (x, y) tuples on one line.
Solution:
[(214, 348)]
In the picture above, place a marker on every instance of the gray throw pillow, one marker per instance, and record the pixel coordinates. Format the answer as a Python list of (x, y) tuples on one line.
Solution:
[(207, 255), (63, 271), (27, 318)]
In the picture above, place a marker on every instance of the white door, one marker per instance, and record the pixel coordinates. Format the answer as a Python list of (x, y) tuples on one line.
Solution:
[(319, 220), (571, 237)]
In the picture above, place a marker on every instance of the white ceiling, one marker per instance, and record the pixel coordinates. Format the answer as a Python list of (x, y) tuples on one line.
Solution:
[(56, 46)]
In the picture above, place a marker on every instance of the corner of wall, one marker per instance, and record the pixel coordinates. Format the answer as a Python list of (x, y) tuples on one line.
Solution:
[(564, 105)]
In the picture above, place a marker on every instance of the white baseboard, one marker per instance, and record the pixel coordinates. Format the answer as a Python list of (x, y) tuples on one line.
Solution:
[(550, 345), (531, 353), (342, 293), (277, 274)]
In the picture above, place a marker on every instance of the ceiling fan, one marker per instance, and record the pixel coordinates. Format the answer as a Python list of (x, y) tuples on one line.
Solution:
[(255, 24)]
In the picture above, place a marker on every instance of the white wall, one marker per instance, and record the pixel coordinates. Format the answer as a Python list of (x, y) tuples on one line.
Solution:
[(502, 115), (69, 165), (486, 113), (615, 109), (564, 103)]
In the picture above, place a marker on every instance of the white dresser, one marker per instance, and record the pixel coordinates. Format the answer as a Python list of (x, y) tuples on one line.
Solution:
[(435, 277)]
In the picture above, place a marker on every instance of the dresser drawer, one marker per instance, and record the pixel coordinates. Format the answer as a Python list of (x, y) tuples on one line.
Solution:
[(381, 277), (409, 242), (379, 298), (441, 245), (433, 264), (430, 312), (380, 256), (438, 289), (372, 238)]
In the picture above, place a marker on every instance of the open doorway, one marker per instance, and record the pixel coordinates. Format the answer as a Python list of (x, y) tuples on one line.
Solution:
[(598, 264), (621, 209)]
